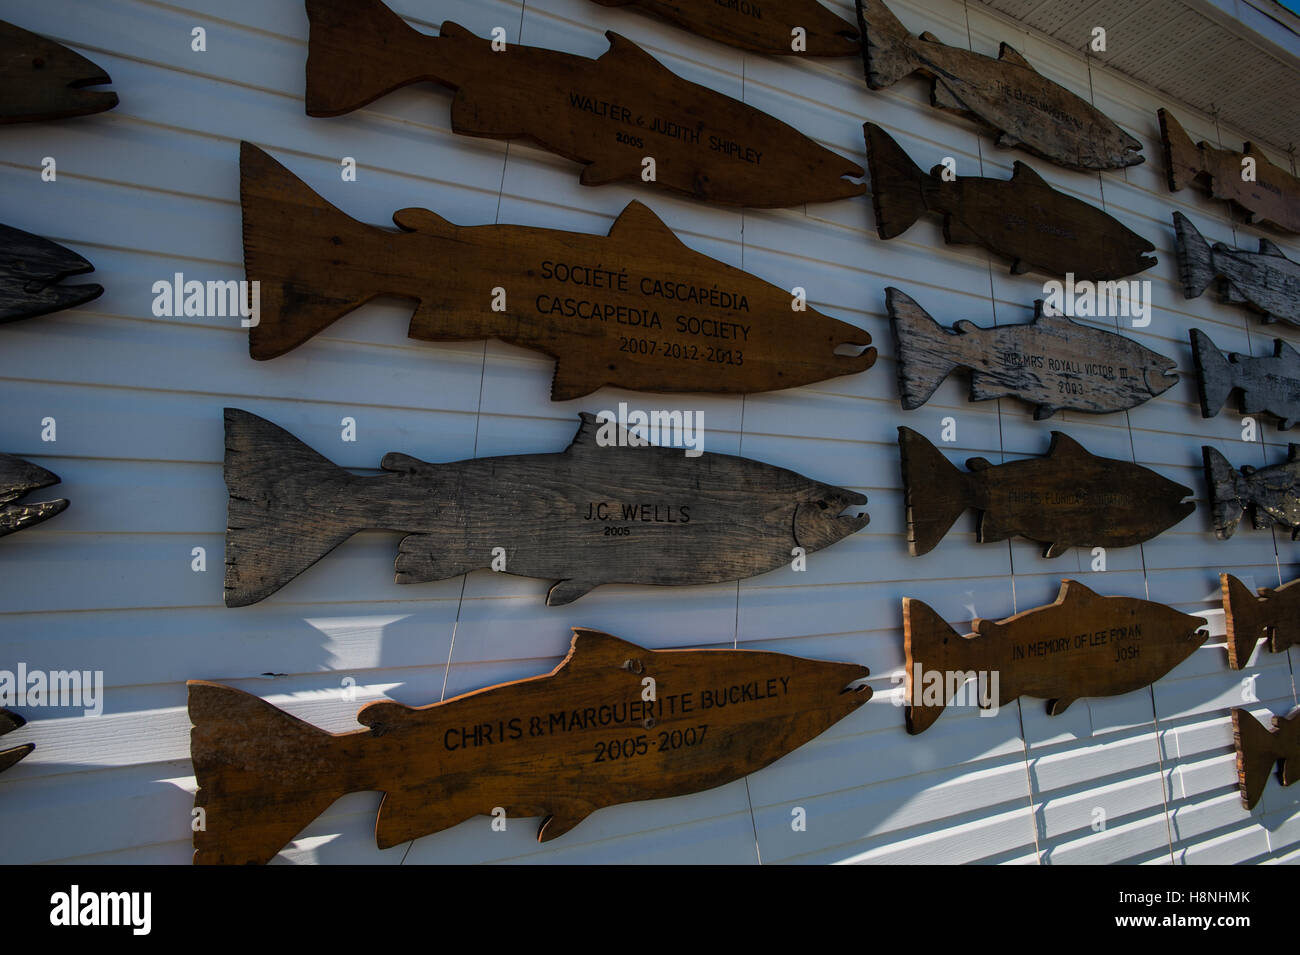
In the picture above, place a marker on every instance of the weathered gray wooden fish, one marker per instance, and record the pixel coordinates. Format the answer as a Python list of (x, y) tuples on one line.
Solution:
[(1273, 614), (1267, 385), (1021, 218), (31, 269), (763, 26), (10, 721), (1259, 750), (1271, 494), (1007, 95), (1069, 498), (606, 510), (1052, 361), (18, 478), (44, 80), (1266, 281)]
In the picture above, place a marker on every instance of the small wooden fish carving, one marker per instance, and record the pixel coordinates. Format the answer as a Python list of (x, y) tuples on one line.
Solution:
[(1271, 197), (31, 269), (18, 478), (561, 745), (43, 80), (1069, 498), (1271, 494), (1268, 385), (1258, 751), (10, 721), (603, 511), (1006, 95), (1051, 362), (1273, 615), (1266, 282), (1021, 218), (636, 308), (761, 26), (1081, 645), (611, 113)]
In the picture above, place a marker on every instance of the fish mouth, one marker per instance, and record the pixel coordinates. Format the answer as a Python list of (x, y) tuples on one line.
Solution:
[(1159, 380), (1131, 151), (855, 356), (17, 479), (78, 97), (37, 272), (821, 522)]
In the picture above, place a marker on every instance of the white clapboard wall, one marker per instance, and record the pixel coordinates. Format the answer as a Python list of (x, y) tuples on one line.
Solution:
[(151, 188)]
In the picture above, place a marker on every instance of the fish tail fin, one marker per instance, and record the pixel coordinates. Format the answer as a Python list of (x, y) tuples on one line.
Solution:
[(936, 492), (934, 650), (887, 51), (1182, 156), (262, 775), (277, 520), (897, 183), (1242, 620), (1216, 380), (923, 346), (1195, 258), (1256, 755), (1227, 495)]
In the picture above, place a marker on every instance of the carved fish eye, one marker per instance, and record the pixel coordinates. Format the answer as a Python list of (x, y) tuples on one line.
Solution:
[(823, 505)]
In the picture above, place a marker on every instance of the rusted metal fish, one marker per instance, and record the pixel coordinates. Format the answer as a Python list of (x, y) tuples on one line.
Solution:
[(1258, 751), (1266, 282), (1272, 615), (1271, 494), (1267, 385), (44, 80)]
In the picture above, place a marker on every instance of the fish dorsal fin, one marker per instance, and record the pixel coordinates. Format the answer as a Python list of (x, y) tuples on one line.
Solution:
[(450, 28), (1293, 452), (1268, 248), (404, 463), (1282, 349), (1043, 317), (1024, 173), (1065, 448), (929, 37), (986, 628), (584, 442), (966, 327), (1009, 54), (596, 648), (1073, 593), (638, 223), (416, 219), (978, 464), (627, 54), (383, 715)]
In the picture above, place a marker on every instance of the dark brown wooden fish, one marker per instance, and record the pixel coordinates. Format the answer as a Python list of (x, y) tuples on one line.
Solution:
[(42, 80), (1270, 197), (1271, 494), (1266, 282), (18, 478), (1080, 645), (609, 509), (1267, 385), (613, 723), (1006, 95), (612, 114), (636, 308), (1273, 615), (1258, 751), (1021, 218), (10, 721), (31, 269), (762, 26), (1069, 498)]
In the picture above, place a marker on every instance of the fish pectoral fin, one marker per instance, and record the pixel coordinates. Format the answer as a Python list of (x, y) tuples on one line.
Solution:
[(1057, 707), (1043, 412), (567, 591), (411, 813), (1268, 248), (942, 96), (989, 530), (1056, 550), (569, 383), (1006, 141), (418, 563), (564, 815), (957, 232), (492, 119), (1230, 295), (1020, 267), (929, 37), (1009, 54), (602, 172)]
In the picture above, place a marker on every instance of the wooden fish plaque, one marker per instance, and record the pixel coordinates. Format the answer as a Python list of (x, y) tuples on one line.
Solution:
[(17, 479), (1021, 218), (1268, 385), (1081, 645), (562, 745), (624, 116), (779, 27), (1258, 751), (1006, 95), (44, 80), (31, 269), (636, 308), (1266, 282), (1069, 498), (1271, 494), (1270, 197), (1052, 362), (1272, 615), (609, 509), (10, 721)]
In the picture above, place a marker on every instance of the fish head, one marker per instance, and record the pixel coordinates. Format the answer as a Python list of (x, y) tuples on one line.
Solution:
[(29, 278), (1126, 146), (1158, 501), (60, 78), (819, 518), (1182, 631), (1156, 370), (18, 478)]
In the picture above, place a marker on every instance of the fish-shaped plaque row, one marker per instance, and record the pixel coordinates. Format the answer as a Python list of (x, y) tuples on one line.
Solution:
[(1069, 498), (17, 479), (1267, 385), (1271, 196), (1080, 645), (1266, 282), (611, 113), (1272, 614), (31, 270), (1271, 494), (560, 745), (10, 721), (1021, 218), (1007, 95), (636, 308), (780, 27), (43, 80), (1052, 362), (606, 510), (1258, 751)]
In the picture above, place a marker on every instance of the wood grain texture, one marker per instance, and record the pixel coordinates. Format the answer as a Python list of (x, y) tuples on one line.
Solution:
[(1266, 282), (1272, 198), (1021, 218), (610, 113), (1051, 362), (561, 745), (1069, 498), (31, 269), (10, 721), (1271, 494), (1080, 645), (1005, 95), (44, 80), (1267, 385), (1272, 615), (636, 308), (595, 513), (17, 479), (760, 26), (1258, 750)]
